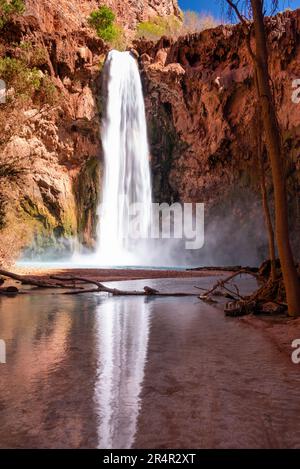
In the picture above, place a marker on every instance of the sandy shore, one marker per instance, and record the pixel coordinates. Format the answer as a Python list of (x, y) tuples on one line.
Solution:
[(109, 275)]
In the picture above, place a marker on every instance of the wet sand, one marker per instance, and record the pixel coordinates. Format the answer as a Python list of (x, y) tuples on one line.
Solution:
[(281, 330), (108, 275)]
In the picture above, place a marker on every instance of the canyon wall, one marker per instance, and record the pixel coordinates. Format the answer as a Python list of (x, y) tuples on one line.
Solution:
[(50, 193), (50, 155), (202, 119), (204, 128), (70, 15)]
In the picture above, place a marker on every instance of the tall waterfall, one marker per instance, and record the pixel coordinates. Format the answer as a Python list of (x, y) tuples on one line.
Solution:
[(126, 157)]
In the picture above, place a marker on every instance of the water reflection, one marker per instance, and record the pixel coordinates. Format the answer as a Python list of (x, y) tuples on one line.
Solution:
[(83, 371), (122, 343), (48, 355)]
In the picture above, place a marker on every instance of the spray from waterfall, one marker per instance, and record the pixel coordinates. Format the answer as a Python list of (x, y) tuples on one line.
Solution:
[(127, 179), (127, 183)]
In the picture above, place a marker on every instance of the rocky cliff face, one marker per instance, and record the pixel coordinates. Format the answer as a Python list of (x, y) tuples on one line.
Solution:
[(69, 15), (52, 146), (204, 130), (50, 155)]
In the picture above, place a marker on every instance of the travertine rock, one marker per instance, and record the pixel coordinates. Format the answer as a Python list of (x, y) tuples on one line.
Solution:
[(200, 102), (69, 15)]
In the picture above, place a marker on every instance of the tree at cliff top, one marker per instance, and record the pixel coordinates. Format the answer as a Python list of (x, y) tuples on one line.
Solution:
[(103, 21), (273, 143), (10, 8)]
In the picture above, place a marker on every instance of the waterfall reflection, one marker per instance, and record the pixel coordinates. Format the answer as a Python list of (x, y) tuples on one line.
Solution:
[(122, 339)]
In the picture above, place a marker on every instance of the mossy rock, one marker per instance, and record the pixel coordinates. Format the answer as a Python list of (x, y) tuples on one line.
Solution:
[(87, 196)]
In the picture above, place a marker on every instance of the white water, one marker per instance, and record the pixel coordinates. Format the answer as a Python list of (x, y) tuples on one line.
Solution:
[(126, 180), (126, 161), (122, 330)]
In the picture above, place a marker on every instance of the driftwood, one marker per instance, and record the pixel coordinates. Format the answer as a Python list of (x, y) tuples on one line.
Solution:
[(64, 283), (268, 299), (148, 291), (240, 305), (234, 268), (222, 284), (25, 280)]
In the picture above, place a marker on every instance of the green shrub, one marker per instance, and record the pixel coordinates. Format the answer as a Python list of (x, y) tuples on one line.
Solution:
[(157, 27), (119, 42), (17, 75), (35, 55), (28, 82), (150, 30), (171, 26), (103, 21), (47, 93), (9, 8)]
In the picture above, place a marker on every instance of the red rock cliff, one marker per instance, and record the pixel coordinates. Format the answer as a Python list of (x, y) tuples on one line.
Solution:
[(203, 129), (67, 15)]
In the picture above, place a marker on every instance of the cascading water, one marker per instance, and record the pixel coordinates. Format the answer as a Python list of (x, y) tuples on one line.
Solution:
[(126, 157)]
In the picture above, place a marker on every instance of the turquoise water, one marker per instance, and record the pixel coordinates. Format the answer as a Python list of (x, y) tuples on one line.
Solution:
[(73, 265)]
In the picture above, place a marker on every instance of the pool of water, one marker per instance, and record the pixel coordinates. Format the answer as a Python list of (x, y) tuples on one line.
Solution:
[(69, 264), (92, 371)]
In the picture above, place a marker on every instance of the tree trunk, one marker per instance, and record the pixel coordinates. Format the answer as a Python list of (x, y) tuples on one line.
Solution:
[(274, 148), (265, 203)]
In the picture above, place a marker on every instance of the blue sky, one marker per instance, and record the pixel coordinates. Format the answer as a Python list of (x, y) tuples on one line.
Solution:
[(215, 6)]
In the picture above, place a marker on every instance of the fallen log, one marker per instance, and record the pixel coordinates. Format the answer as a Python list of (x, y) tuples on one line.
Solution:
[(33, 281), (148, 291), (233, 268), (222, 284)]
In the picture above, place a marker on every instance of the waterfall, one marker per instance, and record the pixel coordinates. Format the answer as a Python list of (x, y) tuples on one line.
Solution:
[(126, 163)]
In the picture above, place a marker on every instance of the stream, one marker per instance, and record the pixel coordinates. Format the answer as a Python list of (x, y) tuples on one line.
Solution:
[(92, 371)]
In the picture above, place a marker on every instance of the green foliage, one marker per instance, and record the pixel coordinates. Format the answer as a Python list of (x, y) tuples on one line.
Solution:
[(17, 75), (103, 21), (157, 27), (171, 26), (9, 8), (119, 42), (35, 55), (27, 82), (48, 93)]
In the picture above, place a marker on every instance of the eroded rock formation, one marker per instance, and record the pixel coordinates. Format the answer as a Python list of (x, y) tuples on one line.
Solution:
[(51, 147), (204, 129), (70, 15), (51, 159)]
